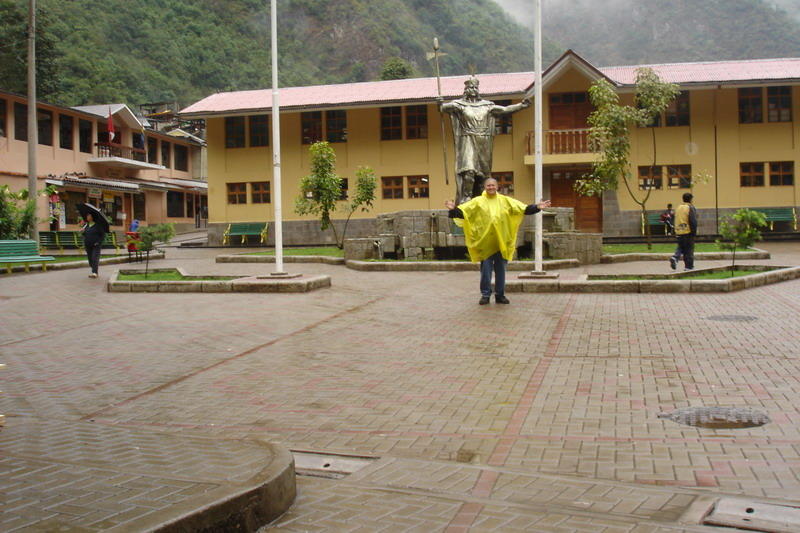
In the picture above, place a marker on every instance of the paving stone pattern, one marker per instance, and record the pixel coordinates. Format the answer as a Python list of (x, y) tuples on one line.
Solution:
[(477, 412)]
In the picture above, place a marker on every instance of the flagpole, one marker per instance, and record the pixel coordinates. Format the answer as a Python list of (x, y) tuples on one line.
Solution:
[(276, 143), (537, 110), (33, 138)]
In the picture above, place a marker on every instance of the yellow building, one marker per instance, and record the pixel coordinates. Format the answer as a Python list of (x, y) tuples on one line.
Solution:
[(730, 137)]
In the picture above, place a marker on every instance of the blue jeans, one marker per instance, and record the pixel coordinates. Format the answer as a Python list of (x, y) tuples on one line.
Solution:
[(497, 264), (685, 250)]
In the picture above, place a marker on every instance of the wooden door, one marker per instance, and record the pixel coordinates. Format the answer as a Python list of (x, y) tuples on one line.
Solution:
[(569, 111), (588, 209)]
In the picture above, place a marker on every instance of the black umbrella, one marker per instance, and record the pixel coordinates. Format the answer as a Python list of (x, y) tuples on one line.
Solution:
[(97, 215)]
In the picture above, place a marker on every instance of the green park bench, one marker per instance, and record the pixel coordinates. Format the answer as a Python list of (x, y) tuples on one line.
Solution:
[(779, 214), (245, 229), (22, 251), (653, 219), (73, 239)]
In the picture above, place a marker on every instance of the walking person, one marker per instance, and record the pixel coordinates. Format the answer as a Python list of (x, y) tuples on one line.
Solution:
[(685, 231), (94, 233), (491, 221)]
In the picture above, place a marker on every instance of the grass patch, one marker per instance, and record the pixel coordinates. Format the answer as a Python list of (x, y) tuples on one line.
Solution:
[(723, 274), (659, 248), (329, 251), (171, 275), (73, 258)]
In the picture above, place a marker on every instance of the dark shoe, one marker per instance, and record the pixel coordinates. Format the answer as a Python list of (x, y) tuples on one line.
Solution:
[(501, 300), (673, 263), (484, 300)]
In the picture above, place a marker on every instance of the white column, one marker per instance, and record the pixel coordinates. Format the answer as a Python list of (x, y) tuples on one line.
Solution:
[(537, 107), (276, 144)]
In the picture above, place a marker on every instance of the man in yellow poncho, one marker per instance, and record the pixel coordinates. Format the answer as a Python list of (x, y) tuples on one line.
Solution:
[(491, 221)]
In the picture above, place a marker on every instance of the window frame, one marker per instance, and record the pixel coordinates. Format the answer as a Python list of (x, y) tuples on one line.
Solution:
[(180, 156), (391, 123), (336, 126), (655, 175), (678, 112), (781, 175), (66, 122), (260, 189), (310, 127), (234, 132), (679, 176), (750, 177), (416, 122), (393, 184), (420, 182), (344, 184), (44, 127), (505, 182), (166, 154), (751, 105), (780, 102), (176, 199), (3, 117), (152, 150), (236, 191), (85, 128), (504, 124), (258, 126), (20, 122)]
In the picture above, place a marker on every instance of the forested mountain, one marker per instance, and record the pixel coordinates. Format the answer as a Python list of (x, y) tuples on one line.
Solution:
[(626, 32), (182, 50)]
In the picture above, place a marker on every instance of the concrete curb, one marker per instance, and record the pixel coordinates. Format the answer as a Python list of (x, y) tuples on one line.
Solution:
[(245, 258), (656, 286), (265, 497), (707, 256), (80, 264), (244, 284), (451, 266)]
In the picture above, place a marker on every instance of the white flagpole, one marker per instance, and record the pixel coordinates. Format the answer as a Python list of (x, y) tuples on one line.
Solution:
[(276, 144), (538, 133)]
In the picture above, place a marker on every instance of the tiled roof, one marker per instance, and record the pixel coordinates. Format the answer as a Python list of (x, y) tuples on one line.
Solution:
[(713, 71), (492, 85), (353, 94)]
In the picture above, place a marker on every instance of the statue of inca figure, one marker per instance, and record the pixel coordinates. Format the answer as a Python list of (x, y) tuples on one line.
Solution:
[(473, 122)]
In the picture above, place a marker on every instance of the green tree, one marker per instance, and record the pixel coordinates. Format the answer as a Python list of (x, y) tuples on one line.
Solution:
[(18, 212), (609, 133), (321, 190), (740, 231), (396, 68), (149, 236)]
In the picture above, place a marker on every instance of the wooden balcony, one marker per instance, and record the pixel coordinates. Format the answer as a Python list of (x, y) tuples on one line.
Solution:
[(561, 142), (118, 155)]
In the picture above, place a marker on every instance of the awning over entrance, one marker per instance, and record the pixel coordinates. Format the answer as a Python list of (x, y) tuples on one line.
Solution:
[(89, 183)]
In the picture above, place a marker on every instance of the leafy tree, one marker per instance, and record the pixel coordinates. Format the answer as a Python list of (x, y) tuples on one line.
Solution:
[(149, 236), (322, 189), (609, 133), (740, 231), (18, 212), (396, 68)]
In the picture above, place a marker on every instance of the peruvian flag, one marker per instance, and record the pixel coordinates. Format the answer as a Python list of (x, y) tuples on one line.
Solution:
[(111, 133)]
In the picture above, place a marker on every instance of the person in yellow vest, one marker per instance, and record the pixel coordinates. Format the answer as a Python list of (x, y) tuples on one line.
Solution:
[(685, 231), (491, 221)]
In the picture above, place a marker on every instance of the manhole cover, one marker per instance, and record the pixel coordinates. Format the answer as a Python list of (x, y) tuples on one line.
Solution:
[(732, 318), (718, 417), (334, 466)]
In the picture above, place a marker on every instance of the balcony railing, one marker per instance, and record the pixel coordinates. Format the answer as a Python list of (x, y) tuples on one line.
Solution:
[(118, 150), (562, 142)]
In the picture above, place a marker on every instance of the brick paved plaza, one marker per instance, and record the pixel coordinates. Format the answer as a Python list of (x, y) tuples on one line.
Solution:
[(538, 416)]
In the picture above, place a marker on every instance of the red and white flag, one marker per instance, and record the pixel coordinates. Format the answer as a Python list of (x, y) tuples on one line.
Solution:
[(111, 132)]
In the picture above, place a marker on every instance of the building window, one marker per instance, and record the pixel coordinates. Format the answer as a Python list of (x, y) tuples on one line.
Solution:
[(237, 193), (152, 150), (85, 136), (343, 185), (44, 126), (750, 105), (392, 187), (3, 119), (751, 174), (505, 182), (781, 173), (66, 129), (20, 121), (336, 126), (71, 200), (189, 205), (181, 157), (138, 207), (311, 126), (779, 104), (391, 123), (176, 204), (680, 176), (418, 186), (234, 132), (166, 160), (677, 112), (259, 130), (417, 122), (649, 178), (503, 123), (259, 192)]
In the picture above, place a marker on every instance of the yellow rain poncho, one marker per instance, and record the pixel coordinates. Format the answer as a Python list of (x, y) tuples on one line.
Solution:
[(491, 224)]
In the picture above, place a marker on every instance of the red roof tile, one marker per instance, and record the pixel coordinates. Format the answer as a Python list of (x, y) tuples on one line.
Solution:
[(713, 71)]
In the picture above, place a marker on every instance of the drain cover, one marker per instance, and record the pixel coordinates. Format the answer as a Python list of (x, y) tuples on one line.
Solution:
[(732, 318), (754, 516), (327, 465), (718, 417)]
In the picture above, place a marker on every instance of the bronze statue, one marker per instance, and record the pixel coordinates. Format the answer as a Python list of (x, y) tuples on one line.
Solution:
[(473, 122)]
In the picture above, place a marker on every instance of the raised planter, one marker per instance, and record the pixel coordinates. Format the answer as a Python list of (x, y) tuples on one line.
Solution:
[(451, 266), (84, 263), (655, 283), (699, 256), (219, 284), (249, 258)]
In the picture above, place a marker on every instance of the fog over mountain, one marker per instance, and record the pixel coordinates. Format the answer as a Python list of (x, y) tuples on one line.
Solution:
[(615, 32)]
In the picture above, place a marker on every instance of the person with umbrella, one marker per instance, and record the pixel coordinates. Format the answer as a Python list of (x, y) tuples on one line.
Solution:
[(94, 232)]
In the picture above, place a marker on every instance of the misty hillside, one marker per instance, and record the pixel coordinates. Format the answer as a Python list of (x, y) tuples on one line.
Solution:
[(182, 50), (625, 32)]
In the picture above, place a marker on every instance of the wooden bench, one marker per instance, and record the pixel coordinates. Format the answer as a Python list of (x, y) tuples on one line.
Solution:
[(244, 229), (654, 219), (22, 251), (110, 241), (73, 239), (779, 214)]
